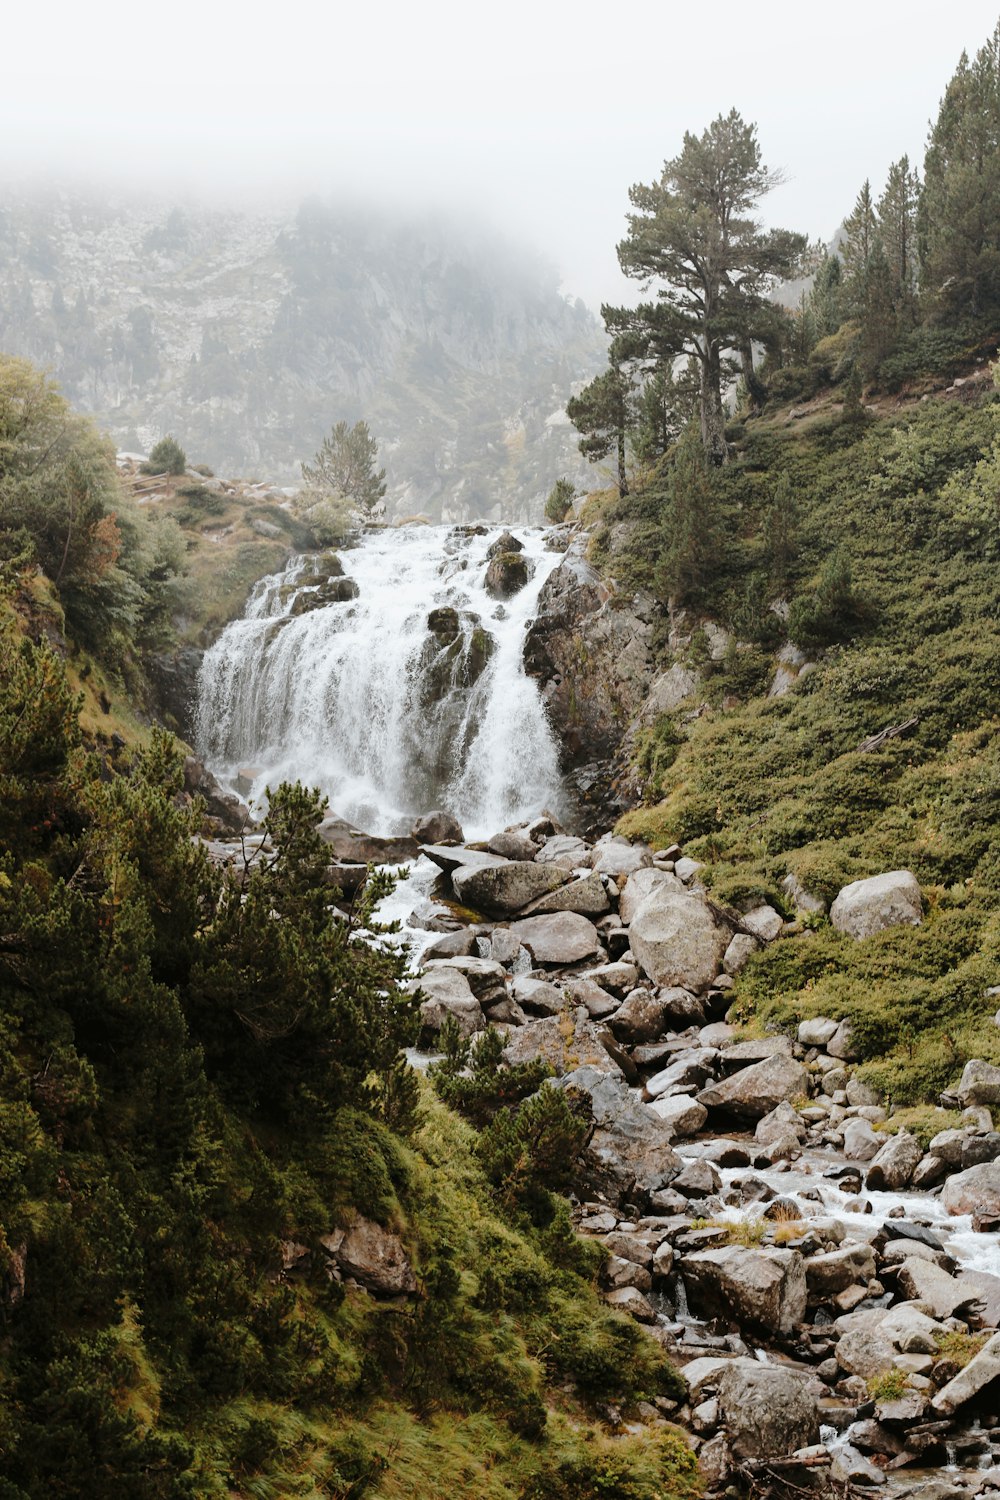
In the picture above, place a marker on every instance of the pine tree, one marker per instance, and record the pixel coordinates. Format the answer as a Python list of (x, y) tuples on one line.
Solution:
[(860, 239), (604, 412), (345, 465), (693, 234), (897, 222), (960, 204)]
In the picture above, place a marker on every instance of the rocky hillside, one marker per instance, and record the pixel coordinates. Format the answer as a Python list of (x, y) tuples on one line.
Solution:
[(249, 335)]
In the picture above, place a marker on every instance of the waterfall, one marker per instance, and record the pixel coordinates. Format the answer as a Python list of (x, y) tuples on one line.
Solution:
[(408, 696)]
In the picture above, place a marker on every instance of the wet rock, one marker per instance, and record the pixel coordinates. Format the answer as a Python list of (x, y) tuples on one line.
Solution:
[(507, 573), (678, 939), (507, 887), (762, 1290), (894, 1164), (437, 827), (756, 1090), (976, 1190), (699, 1179), (868, 906), (767, 1410), (558, 938), (353, 847), (377, 1259)]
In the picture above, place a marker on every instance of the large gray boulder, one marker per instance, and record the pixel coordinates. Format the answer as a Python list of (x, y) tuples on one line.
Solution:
[(447, 993), (894, 1164), (640, 884), (507, 887), (976, 1190), (437, 827), (680, 1113), (562, 937), (630, 1153), (980, 1084), (617, 857), (868, 906), (678, 939), (755, 1091), (763, 1291), (766, 1410), (585, 895), (838, 1269)]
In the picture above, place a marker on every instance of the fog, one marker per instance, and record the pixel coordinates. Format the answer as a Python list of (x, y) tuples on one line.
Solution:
[(538, 116)]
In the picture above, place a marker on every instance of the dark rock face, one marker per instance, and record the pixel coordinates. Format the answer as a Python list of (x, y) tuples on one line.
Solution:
[(590, 650), (173, 679), (507, 573)]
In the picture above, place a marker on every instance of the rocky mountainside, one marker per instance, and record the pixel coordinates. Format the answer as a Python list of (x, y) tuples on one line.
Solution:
[(249, 334)]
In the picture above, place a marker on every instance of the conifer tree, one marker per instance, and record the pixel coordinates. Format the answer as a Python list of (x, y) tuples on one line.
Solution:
[(345, 465), (960, 203), (604, 412), (897, 221), (694, 236)]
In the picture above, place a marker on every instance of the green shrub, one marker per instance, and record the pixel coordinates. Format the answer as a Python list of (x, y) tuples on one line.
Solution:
[(166, 457), (559, 501)]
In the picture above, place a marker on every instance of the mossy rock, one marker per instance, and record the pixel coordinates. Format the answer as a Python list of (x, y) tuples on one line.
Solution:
[(333, 591), (507, 574), (444, 623)]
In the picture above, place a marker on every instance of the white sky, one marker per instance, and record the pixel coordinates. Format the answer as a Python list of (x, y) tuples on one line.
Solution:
[(539, 115)]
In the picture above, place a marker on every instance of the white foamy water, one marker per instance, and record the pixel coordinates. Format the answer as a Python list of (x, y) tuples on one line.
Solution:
[(363, 700)]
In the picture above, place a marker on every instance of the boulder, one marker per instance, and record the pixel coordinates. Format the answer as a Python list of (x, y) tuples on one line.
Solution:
[(585, 895), (451, 857), (755, 1091), (487, 979), (460, 944), (507, 573), (764, 922), (506, 887), (817, 1031), (981, 1371), (680, 1113), (564, 849), (558, 938), (741, 948), (352, 847), (597, 1001), (377, 1259), (763, 1291), (838, 1269), (640, 884), (447, 993), (980, 1084), (630, 1152), (565, 1042), (841, 1044), (742, 1054), (513, 843), (437, 827), (865, 1351), (778, 1123), (537, 995), (923, 1281), (678, 939), (646, 1014), (868, 906), (767, 1410), (630, 1300), (617, 857), (803, 899), (860, 1141), (894, 1164), (976, 1190)]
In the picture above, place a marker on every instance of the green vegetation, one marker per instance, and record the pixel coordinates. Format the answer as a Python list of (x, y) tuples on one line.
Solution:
[(166, 457), (890, 1385), (559, 500), (202, 1081), (344, 467)]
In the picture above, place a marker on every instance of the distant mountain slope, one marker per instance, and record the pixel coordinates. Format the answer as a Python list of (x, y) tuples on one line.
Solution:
[(249, 334)]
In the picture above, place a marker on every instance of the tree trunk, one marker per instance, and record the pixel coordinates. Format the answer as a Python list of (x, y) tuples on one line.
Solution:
[(713, 422), (756, 390), (622, 477)]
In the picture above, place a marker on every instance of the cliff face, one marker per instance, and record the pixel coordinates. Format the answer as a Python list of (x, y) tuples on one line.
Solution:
[(249, 334), (590, 649)]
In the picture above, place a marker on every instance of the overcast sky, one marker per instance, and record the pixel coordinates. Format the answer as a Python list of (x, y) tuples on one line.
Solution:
[(539, 114)]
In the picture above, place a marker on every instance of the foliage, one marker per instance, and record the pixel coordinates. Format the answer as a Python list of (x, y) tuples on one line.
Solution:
[(889, 1385), (345, 466), (166, 457), (693, 233), (473, 1078), (604, 412), (558, 501), (529, 1153)]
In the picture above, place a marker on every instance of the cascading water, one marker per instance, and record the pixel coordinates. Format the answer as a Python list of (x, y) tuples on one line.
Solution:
[(409, 696)]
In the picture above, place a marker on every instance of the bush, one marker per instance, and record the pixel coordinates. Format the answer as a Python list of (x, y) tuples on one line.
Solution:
[(559, 500), (166, 457)]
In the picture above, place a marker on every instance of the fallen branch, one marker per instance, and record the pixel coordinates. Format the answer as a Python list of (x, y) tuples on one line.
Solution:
[(892, 733)]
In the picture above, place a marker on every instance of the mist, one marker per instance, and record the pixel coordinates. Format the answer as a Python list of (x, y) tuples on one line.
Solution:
[(535, 119)]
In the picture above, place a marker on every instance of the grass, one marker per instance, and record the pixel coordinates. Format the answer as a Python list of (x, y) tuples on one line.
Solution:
[(888, 1385), (958, 1347)]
